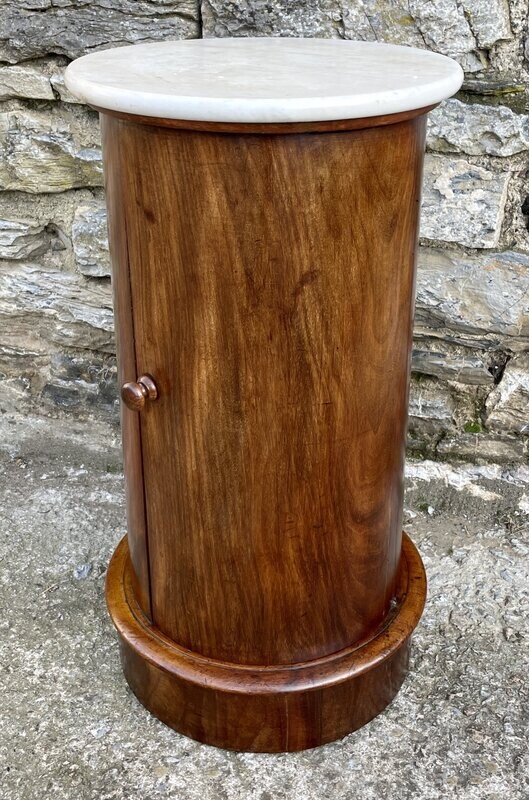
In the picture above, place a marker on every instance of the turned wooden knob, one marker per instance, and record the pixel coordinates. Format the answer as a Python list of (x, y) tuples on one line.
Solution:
[(135, 393)]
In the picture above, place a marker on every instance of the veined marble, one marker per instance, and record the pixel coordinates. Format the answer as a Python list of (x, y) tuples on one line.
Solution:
[(263, 79)]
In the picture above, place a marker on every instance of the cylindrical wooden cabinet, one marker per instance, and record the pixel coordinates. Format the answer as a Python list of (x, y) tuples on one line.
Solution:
[(263, 226)]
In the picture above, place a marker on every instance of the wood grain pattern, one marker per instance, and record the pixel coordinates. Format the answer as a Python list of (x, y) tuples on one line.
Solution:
[(280, 271), (266, 709), (326, 126), (126, 356), (271, 296)]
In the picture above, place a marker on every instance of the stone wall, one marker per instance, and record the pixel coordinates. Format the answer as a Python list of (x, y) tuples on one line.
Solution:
[(470, 384)]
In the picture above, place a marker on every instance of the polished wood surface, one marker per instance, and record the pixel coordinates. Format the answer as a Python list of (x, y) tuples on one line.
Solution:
[(266, 708), (124, 325), (271, 289), (327, 126)]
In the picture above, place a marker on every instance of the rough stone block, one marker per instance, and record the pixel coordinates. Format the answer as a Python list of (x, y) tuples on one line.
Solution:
[(481, 300), (438, 409), (82, 381), (39, 306), (462, 202), (480, 448), (489, 21), (21, 239), (508, 403), (431, 401), (311, 18), (25, 80), (49, 150), (38, 227), (444, 27), (34, 28), (457, 29), (450, 362), (90, 240), (39, 79), (59, 86), (477, 129)]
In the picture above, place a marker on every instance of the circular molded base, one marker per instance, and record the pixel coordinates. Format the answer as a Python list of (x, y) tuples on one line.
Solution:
[(265, 708)]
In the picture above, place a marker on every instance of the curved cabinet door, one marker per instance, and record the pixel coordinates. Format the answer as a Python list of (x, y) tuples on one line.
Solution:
[(127, 371)]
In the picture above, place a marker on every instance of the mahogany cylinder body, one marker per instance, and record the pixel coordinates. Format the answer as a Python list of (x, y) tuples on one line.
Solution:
[(265, 280)]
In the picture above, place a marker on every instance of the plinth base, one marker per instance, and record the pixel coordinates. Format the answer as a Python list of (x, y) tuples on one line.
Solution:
[(270, 708)]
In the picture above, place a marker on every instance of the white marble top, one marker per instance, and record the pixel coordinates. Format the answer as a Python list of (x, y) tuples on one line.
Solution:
[(263, 80)]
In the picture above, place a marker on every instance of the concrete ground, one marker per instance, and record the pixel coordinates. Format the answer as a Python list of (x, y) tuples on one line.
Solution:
[(70, 728)]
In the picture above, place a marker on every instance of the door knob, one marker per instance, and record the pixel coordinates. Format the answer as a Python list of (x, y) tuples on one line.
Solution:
[(135, 393)]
